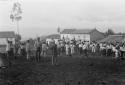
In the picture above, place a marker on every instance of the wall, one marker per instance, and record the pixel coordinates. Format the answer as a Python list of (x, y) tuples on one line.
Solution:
[(65, 36), (84, 37), (3, 41)]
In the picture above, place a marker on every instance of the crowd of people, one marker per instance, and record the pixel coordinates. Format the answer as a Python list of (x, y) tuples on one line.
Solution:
[(39, 48)]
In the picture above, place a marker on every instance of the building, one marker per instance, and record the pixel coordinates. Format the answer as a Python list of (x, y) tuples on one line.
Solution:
[(113, 39), (49, 38), (4, 35), (82, 34)]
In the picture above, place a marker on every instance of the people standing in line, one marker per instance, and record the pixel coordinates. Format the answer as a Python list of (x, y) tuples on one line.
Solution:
[(38, 49)]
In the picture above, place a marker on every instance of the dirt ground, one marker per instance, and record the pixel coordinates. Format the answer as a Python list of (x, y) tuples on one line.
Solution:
[(69, 71)]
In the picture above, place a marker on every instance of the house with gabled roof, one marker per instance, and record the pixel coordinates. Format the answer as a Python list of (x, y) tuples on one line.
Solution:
[(82, 34), (7, 34)]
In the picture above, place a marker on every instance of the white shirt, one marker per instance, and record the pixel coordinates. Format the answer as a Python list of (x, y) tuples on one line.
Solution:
[(7, 47), (67, 46), (44, 47), (84, 47), (113, 49), (80, 45)]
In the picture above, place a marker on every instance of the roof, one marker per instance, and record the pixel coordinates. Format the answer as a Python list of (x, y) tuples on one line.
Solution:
[(7, 34), (68, 31), (82, 31), (54, 36), (77, 31), (113, 38)]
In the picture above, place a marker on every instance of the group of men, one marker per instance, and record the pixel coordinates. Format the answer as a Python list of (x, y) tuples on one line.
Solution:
[(40, 48)]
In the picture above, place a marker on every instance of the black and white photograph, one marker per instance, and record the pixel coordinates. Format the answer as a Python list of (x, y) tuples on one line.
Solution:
[(62, 42)]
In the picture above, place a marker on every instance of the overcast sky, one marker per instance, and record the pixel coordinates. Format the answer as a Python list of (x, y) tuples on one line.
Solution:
[(42, 17)]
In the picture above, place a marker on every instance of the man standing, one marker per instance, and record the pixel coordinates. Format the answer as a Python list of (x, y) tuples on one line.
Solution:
[(8, 48), (38, 49), (28, 50), (44, 49), (84, 48), (54, 54)]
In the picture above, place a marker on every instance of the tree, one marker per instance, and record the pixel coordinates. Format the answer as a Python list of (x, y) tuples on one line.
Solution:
[(109, 32), (16, 14)]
